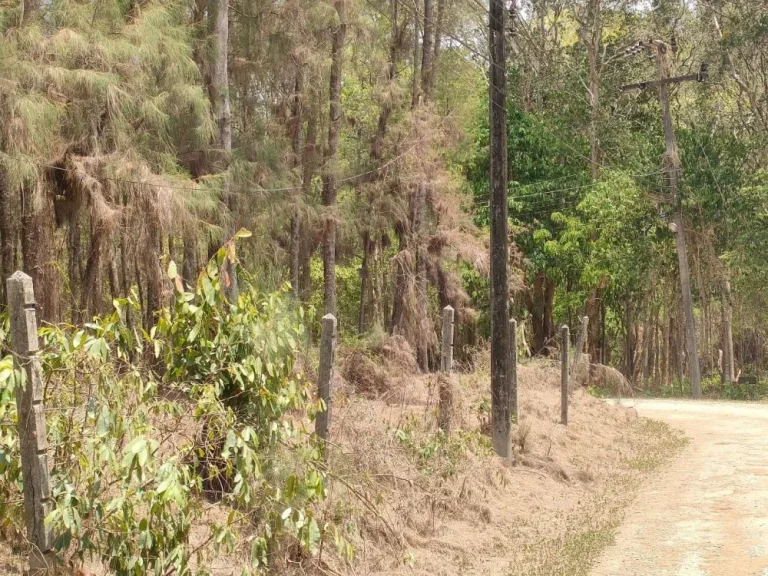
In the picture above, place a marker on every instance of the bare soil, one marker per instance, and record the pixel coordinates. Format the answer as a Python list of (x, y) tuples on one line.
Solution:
[(549, 510), (707, 514)]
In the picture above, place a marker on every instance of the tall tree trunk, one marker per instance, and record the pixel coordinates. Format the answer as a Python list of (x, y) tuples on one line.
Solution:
[(591, 35), (329, 172), (415, 83), (402, 271), (219, 90), (297, 123), (441, 10), (654, 361), (219, 87), (427, 52), (365, 274), (8, 234), (74, 270), (729, 369), (377, 150), (91, 289), (549, 307), (535, 301), (423, 332), (666, 328), (308, 167), (125, 262), (115, 288), (191, 266), (154, 278), (629, 342), (37, 244), (376, 286)]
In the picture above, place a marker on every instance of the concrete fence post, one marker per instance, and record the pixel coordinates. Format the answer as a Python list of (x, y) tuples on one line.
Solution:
[(31, 426), (564, 345), (325, 374), (513, 394), (445, 388)]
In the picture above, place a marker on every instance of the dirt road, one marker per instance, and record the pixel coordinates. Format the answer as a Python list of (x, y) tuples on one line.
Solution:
[(707, 514)]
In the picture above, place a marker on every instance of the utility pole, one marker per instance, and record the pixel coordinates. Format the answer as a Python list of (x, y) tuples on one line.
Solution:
[(501, 375), (672, 168)]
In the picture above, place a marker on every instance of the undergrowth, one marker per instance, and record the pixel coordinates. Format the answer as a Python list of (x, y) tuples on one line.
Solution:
[(436, 453), (212, 450)]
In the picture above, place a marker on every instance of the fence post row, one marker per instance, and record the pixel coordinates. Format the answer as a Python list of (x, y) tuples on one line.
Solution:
[(325, 374), (564, 344), (513, 394), (445, 389), (31, 426)]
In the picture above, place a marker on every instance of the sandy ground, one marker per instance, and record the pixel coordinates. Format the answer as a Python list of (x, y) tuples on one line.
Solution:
[(707, 514)]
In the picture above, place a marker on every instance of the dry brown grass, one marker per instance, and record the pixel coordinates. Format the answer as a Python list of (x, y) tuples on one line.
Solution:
[(414, 501), (610, 380)]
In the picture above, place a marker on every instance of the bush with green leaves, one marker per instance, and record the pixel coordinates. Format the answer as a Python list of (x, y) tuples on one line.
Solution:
[(127, 448), (10, 466)]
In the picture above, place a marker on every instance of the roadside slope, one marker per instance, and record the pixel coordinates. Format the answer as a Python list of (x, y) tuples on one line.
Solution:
[(418, 503)]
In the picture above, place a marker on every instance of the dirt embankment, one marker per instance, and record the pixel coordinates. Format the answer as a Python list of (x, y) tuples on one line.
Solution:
[(414, 501), (419, 503)]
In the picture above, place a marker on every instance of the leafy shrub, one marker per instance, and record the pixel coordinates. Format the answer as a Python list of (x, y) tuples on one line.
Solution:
[(10, 465), (436, 453), (127, 455)]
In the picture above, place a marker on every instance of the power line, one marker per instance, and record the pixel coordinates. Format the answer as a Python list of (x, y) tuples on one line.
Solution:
[(568, 189)]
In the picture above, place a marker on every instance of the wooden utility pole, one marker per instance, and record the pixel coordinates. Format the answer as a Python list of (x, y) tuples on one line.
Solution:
[(672, 169), (500, 372)]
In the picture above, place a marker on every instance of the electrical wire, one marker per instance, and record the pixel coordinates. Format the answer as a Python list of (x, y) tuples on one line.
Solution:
[(572, 188)]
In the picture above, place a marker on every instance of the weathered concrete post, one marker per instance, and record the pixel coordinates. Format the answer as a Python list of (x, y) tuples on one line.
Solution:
[(445, 389), (513, 404), (564, 344), (32, 432), (325, 374)]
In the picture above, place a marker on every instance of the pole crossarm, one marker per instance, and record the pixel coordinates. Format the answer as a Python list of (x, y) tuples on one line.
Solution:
[(655, 83), (700, 76)]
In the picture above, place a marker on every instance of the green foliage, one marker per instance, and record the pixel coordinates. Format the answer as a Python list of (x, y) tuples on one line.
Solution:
[(241, 352), (347, 293), (10, 465), (713, 387), (438, 454), (134, 459)]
